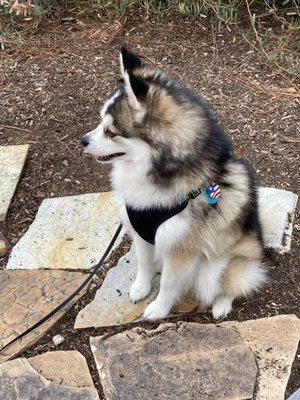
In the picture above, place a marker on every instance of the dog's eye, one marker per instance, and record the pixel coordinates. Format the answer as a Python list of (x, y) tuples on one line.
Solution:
[(109, 133)]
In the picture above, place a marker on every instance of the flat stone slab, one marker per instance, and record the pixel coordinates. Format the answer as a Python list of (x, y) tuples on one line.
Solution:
[(199, 361), (39, 378), (68, 368), (26, 297), (274, 341), (112, 305), (295, 396), (68, 233), (277, 208), (12, 160), (176, 361)]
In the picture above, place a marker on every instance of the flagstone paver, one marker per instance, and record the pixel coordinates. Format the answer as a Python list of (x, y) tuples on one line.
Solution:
[(63, 367), (112, 305), (39, 378), (199, 361), (274, 341), (183, 361), (12, 159), (277, 213), (295, 396), (26, 297), (68, 233)]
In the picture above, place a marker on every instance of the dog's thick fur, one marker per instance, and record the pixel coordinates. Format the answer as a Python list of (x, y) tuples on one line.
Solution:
[(165, 143)]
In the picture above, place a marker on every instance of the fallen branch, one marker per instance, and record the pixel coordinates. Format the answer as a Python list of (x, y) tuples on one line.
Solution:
[(14, 127), (292, 140), (268, 91)]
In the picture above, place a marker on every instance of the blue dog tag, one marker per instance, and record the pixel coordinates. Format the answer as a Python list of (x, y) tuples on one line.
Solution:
[(212, 194)]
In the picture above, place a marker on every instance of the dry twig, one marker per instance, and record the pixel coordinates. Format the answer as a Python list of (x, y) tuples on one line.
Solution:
[(14, 127), (290, 140), (270, 92)]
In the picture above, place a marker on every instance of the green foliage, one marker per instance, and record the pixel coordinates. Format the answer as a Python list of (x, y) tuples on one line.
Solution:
[(223, 11), (276, 48)]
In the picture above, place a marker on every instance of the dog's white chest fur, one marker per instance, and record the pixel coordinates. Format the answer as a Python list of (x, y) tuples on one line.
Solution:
[(131, 181)]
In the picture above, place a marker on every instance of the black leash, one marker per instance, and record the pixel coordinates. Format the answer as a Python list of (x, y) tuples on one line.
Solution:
[(74, 294)]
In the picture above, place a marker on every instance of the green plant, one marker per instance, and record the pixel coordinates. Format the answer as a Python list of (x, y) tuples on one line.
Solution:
[(275, 23), (274, 48)]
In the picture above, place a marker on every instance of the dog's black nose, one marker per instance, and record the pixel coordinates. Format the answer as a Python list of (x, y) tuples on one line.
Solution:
[(84, 141)]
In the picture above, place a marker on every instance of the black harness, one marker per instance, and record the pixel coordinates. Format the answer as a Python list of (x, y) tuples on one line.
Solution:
[(146, 222)]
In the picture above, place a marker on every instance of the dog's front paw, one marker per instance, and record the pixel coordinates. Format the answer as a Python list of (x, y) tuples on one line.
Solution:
[(139, 290), (221, 307), (156, 310)]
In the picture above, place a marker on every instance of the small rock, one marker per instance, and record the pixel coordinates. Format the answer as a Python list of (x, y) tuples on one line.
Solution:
[(3, 248), (65, 163), (58, 339), (4, 245)]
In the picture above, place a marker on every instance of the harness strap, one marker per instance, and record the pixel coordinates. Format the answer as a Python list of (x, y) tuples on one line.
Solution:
[(146, 222), (194, 193)]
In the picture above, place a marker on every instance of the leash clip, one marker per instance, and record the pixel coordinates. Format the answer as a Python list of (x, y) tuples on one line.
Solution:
[(194, 193)]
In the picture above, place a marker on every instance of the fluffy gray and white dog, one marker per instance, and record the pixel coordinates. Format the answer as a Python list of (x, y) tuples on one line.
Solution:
[(165, 146)]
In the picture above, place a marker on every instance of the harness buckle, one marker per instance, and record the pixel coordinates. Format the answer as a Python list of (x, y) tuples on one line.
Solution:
[(194, 193)]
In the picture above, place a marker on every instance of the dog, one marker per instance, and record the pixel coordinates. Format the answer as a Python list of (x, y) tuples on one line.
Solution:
[(186, 198)]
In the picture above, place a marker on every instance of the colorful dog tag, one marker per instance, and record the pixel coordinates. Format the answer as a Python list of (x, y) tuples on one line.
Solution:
[(212, 194)]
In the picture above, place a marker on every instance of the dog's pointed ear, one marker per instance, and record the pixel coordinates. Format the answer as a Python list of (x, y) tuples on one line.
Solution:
[(128, 61), (136, 90), (139, 86)]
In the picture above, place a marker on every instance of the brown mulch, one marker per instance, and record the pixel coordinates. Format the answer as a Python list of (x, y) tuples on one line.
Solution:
[(52, 87)]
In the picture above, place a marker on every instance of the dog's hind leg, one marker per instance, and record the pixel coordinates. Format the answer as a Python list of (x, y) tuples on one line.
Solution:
[(177, 278), (141, 287), (244, 274), (209, 276)]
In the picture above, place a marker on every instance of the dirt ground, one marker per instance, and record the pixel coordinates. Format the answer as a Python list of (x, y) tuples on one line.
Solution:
[(52, 86)]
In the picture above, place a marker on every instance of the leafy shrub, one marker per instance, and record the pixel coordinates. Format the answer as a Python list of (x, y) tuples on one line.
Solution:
[(274, 23)]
